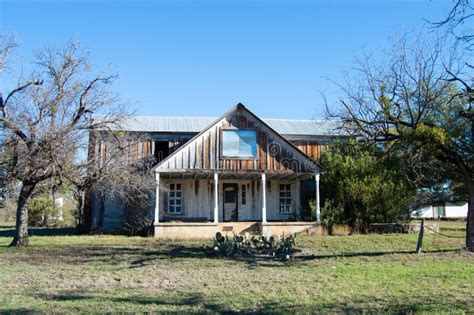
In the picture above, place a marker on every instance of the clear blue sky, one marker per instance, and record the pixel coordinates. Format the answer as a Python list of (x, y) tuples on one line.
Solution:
[(198, 58)]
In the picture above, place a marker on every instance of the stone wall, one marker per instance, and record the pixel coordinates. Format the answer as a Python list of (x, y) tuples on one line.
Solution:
[(383, 228)]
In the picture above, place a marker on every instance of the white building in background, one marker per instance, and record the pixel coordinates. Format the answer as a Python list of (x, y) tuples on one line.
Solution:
[(59, 204), (446, 210)]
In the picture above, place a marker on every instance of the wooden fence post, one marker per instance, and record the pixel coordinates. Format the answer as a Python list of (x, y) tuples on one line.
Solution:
[(420, 236)]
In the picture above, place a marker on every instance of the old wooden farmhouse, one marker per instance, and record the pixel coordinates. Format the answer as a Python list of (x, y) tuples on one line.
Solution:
[(237, 173)]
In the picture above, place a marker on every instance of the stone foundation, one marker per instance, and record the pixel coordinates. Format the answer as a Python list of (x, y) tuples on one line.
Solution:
[(207, 230), (286, 228), (240, 228), (186, 231)]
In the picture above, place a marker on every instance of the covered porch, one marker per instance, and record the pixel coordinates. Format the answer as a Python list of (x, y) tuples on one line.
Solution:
[(198, 204)]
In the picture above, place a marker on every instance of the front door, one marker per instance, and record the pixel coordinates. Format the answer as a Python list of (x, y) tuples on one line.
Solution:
[(230, 202)]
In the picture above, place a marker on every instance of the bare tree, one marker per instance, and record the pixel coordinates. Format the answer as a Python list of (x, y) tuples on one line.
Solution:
[(411, 102), (48, 119), (7, 44), (458, 22), (113, 167)]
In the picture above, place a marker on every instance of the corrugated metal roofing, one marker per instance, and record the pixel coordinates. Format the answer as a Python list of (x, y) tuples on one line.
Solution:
[(197, 124)]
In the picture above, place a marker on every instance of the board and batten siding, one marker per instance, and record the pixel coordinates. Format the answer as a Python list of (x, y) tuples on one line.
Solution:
[(198, 204), (204, 152), (312, 148), (145, 149)]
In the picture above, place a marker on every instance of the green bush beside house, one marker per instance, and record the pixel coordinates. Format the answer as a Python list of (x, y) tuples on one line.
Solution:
[(362, 185)]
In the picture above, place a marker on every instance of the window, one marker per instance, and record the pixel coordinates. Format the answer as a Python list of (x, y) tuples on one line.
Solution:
[(229, 195), (175, 199), (162, 149), (285, 198), (239, 143), (244, 195)]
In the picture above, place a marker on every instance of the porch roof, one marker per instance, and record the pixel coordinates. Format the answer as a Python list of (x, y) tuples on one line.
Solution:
[(232, 174)]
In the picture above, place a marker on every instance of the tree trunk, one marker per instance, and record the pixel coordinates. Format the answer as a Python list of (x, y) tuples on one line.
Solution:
[(83, 197), (470, 220), (81, 205), (21, 228)]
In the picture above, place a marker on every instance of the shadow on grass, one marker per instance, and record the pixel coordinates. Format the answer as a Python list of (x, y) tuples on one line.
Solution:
[(41, 232), (177, 251), (194, 301), (255, 261), (373, 254), (198, 302), (63, 297)]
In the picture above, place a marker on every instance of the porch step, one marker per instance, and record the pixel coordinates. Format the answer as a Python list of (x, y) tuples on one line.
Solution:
[(240, 228)]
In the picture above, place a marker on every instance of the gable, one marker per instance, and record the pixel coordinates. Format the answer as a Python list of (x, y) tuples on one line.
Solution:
[(206, 152)]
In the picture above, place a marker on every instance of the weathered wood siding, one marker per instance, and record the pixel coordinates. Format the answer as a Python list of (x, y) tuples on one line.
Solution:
[(198, 200), (274, 154), (146, 149), (312, 148), (135, 150)]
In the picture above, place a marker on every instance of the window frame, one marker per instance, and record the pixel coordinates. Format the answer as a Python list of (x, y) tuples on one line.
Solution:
[(286, 207), (237, 157), (243, 192), (174, 198)]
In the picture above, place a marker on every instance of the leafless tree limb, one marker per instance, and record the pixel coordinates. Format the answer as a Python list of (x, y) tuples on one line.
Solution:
[(418, 102), (48, 122)]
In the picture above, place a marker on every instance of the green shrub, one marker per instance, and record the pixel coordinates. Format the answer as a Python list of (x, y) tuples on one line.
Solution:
[(308, 212), (41, 212), (69, 214), (363, 186), (332, 214)]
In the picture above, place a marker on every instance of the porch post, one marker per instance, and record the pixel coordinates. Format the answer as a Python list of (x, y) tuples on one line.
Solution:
[(216, 198), (264, 198), (298, 200), (157, 199), (318, 209)]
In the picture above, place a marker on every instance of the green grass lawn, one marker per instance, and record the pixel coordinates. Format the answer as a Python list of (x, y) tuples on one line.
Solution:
[(447, 225), (373, 273)]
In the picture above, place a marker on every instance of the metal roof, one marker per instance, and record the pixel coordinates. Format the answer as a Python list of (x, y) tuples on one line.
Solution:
[(197, 124)]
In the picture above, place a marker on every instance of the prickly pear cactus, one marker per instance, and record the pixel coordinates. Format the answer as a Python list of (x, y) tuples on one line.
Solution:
[(272, 246)]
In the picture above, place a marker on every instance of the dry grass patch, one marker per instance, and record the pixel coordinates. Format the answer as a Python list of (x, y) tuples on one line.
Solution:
[(355, 273)]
